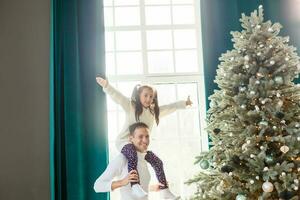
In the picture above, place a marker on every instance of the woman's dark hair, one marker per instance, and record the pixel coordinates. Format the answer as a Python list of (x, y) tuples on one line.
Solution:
[(135, 98), (136, 125)]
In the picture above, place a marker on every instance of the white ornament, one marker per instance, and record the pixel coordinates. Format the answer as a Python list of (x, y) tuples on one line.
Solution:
[(266, 169), (259, 74), (278, 95), (230, 134), (279, 79), (298, 138), (257, 82), (270, 29), (283, 174), (286, 58), (252, 92), (252, 156), (230, 174), (243, 106), (251, 181), (261, 147), (244, 146), (232, 58), (260, 6), (272, 62), (274, 127), (264, 123), (261, 46), (267, 187), (240, 197), (278, 164), (256, 108), (246, 66), (258, 26), (247, 58), (257, 177), (296, 188), (258, 54), (248, 141), (270, 46), (284, 149), (297, 125), (242, 89), (280, 103), (296, 181)]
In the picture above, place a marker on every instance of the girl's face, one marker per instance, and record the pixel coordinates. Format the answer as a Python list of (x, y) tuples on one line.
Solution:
[(146, 97), (140, 139)]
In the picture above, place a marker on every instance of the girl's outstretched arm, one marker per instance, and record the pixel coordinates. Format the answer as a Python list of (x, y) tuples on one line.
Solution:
[(170, 108), (116, 96)]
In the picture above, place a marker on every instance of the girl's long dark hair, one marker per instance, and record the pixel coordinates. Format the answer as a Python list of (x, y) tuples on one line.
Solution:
[(135, 99)]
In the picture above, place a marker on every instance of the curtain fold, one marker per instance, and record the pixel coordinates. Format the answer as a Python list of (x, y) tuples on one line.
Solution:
[(78, 130)]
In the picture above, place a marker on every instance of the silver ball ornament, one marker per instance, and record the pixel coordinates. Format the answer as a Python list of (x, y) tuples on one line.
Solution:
[(267, 187)]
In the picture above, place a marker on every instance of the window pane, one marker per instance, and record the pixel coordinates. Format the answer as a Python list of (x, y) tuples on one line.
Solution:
[(157, 2), (129, 63), (126, 88), (182, 1), (185, 39), (107, 2), (177, 135), (186, 61), (127, 16), (126, 2), (108, 17), (166, 93), (161, 39), (110, 63), (113, 129), (183, 15), (109, 41), (192, 148), (128, 40), (160, 62), (188, 89), (157, 15)]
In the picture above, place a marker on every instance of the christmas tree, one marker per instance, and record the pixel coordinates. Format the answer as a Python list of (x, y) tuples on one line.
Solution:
[(254, 119)]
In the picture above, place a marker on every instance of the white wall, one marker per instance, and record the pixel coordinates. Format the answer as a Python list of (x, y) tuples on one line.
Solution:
[(24, 99)]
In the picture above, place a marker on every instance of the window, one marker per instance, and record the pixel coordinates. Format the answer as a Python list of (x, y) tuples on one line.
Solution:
[(159, 42)]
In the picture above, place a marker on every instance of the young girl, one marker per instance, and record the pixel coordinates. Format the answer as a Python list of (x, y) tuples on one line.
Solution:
[(142, 107)]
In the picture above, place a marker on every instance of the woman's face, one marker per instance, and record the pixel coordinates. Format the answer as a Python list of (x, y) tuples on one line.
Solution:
[(146, 97), (140, 139)]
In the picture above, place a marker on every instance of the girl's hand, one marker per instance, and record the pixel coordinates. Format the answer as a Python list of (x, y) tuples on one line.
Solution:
[(132, 177), (101, 81), (188, 101), (155, 188)]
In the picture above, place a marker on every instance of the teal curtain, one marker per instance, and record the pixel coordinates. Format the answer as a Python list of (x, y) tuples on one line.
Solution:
[(78, 130), (219, 17)]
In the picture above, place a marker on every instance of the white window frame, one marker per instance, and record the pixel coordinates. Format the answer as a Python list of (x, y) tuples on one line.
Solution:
[(161, 78)]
